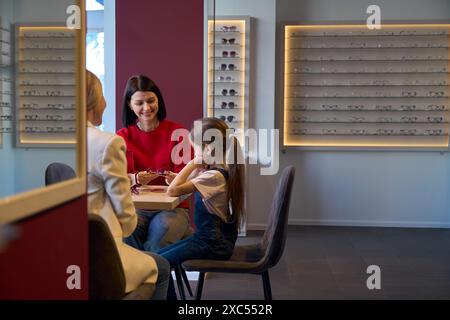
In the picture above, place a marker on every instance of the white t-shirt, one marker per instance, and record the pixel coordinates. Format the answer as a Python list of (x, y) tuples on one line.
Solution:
[(213, 188)]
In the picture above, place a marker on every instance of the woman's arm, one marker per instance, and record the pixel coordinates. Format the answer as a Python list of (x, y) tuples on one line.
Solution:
[(180, 185)]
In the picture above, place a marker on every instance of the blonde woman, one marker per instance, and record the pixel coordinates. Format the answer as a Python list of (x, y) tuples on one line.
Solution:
[(109, 196)]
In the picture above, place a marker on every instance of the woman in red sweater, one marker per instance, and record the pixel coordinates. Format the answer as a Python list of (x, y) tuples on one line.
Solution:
[(147, 135)]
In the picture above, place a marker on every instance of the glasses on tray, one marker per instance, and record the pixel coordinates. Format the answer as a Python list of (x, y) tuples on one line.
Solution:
[(158, 172)]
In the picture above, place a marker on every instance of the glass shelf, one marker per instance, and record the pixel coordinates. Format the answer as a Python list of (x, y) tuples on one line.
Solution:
[(227, 82), (47, 120), (227, 32), (370, 122), (367, 110), (369, 60), (48, 37), (218, 70), (366, 97), (46, 96), (46, 72), (226, 45), (368, 85), (47, 108), (387, 72), (47, 60), (225, 97), (368, 134), (370, 48), (225, 109), (47, 48), (46, 85), (48, 132), (368, 35), (229, 58)]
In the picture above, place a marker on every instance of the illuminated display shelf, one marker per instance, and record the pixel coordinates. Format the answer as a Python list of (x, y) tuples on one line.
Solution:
[(348, 87), (47, 92), (228, 71)]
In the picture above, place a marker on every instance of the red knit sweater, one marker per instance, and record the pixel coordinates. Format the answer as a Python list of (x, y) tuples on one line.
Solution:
[(152, 150)]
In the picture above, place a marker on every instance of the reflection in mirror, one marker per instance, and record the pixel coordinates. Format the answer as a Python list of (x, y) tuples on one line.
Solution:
[(39, 65)]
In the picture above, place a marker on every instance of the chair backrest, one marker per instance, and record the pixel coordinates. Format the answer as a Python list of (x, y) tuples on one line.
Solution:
[(57, 172), (106, 275), (274, 238)]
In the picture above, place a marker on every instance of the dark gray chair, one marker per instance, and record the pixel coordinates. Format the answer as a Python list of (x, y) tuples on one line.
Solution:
[(106, 275), (58, 172), (259, 258)]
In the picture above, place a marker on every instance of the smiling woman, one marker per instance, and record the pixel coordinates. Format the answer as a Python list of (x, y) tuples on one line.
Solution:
[(148, 136)]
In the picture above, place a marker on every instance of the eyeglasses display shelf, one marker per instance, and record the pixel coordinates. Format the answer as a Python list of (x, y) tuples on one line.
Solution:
[(47, 89), (350, 87), (6, 86), (228, 71)]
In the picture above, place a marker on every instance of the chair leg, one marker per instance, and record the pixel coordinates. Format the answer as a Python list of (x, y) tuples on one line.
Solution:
[(186, 281), (266, 285), (179, 282), (201, 280)]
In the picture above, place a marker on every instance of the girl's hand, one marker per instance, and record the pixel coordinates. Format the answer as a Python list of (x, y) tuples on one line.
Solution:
[(170, 176), (144, 177)]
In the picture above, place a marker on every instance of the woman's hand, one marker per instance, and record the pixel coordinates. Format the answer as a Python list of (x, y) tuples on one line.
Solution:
[(170, 176), (144, 177)]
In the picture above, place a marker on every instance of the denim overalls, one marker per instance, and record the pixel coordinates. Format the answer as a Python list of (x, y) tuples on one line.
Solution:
[(213, 238)]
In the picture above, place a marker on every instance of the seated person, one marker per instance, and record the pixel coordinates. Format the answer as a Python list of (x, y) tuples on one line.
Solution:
[(219, 198), (109, 196)]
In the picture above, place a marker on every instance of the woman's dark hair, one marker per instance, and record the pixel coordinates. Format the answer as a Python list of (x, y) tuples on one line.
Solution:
[(140, 83)]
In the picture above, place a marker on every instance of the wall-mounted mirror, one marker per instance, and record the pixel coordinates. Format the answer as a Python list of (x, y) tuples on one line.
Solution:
[(42, 46)]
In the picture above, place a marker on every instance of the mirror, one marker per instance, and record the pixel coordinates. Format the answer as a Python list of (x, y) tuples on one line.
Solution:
[(41, 92)]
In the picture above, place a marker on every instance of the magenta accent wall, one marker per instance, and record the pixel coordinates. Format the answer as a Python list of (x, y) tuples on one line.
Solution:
[(163, 40)]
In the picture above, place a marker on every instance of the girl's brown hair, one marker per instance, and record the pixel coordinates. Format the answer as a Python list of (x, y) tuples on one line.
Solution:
[(236, 170)]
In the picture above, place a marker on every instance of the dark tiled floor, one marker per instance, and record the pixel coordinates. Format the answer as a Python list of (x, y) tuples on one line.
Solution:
[(331, 263)]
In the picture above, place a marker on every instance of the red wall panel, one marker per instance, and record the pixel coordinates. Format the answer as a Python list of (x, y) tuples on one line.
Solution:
[(163, 40), (34, 266)]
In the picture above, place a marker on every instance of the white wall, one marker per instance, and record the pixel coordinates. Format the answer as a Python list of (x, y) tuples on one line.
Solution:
[(368, 188), (342, 188), (263, 84)]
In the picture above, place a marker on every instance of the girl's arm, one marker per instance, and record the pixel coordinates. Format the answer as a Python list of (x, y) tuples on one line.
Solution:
[(180, 185)]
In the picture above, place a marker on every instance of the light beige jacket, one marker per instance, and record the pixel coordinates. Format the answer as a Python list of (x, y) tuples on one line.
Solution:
[(109, 196)]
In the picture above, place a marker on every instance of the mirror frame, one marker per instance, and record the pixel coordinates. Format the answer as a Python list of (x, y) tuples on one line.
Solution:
[(29, 203)]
